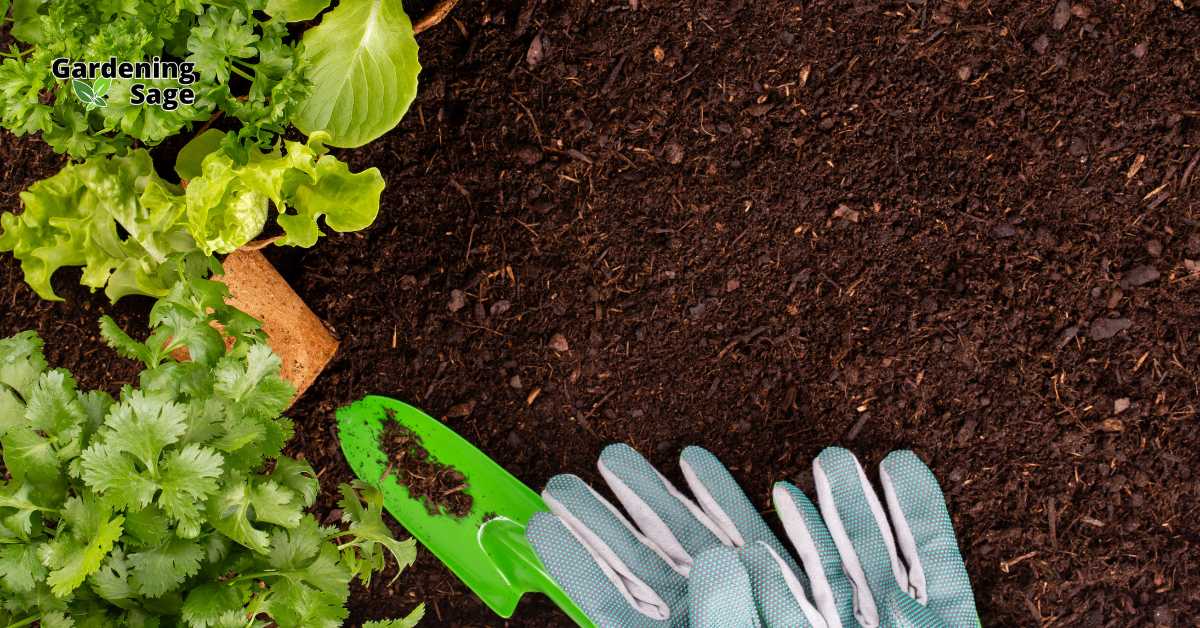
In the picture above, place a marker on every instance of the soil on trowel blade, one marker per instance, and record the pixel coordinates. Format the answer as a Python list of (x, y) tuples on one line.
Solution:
[(440, 487)]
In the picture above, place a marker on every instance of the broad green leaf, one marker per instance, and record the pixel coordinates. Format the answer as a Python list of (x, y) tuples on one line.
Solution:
[(53, 407), (27, 25), (189, 478), (298, 476), (188, 165), (17, 508), (111, 581), (276, 504), (363, 64), (254, 384), (81, 558), (229, 513), (21, 362), (142, 425), (164, 568), (295, 10), (112, 474), (20, 569), (206, 604), (31, 457)]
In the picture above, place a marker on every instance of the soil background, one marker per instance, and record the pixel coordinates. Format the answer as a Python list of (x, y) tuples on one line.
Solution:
[(765, 227)]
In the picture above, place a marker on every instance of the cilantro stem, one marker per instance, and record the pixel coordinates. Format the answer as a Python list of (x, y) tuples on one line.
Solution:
[(240, 72), (24, 622)]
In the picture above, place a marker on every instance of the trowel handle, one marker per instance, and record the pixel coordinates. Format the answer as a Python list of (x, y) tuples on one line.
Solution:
[(503, 540)]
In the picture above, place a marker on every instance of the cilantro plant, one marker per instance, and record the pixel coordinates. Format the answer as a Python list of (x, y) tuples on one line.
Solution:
[(252, 72), (172, 504)]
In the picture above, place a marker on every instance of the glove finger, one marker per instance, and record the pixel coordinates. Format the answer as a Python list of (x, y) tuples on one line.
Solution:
[(726, 504), (643, 573), (860, 530), (672, 521), (583, 577), (719, 592), (936, 574), (830, 589), (780, 598)]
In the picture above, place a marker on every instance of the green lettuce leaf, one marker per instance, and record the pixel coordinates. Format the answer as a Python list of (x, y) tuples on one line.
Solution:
[(364, 68)]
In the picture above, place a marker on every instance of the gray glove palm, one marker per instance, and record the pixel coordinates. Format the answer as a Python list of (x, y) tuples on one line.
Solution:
[(713, 561)]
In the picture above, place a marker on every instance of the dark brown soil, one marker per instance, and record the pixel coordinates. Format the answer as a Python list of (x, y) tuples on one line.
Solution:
[(767, 227), (441, 488)]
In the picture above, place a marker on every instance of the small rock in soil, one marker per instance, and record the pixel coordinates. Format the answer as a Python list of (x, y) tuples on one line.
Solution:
[(1154, 248), (1062, 15), (964, 72), (458, 300), (1114, 298), (558, 342), (846, 213), (1041, 44), (1081, 11), (1104, 328), (1139, 276), (1112, 425), (1120, 405), (1004, 230), (515, 382), (501, 307), (1139, 50), (732, 284), (529, 154), (673, 153), (460, 410), (536, 51)]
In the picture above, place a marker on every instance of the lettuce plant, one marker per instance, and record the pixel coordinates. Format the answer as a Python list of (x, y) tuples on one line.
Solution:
[(171, 504), (343, 83)]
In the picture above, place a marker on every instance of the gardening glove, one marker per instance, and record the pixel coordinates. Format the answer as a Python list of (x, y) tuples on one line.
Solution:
[(929, 588), (716, 563)]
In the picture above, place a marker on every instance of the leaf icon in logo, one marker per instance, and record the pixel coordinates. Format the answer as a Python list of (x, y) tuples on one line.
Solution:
[(100, 87), (90, 94), (83, 90)]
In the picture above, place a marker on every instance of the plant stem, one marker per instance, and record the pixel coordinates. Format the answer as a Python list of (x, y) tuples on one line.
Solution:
[(24, 622), (240, 72), (435, 16)]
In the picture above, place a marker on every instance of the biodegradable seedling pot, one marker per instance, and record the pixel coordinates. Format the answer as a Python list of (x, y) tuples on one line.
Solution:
[(300, 339)]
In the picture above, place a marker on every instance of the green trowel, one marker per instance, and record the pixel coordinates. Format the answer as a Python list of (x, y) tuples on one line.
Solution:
[(486, 549)]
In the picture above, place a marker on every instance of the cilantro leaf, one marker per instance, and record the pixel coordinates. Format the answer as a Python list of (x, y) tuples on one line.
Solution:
[(220, 36), (74, 556), (164, 568), (206, 604)]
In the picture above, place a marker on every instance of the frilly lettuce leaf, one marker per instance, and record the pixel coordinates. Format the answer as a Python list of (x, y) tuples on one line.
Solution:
[(134, 232), (92, 215), (227, 206)]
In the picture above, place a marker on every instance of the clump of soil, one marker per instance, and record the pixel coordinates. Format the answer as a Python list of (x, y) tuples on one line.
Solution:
[(441, 487)]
